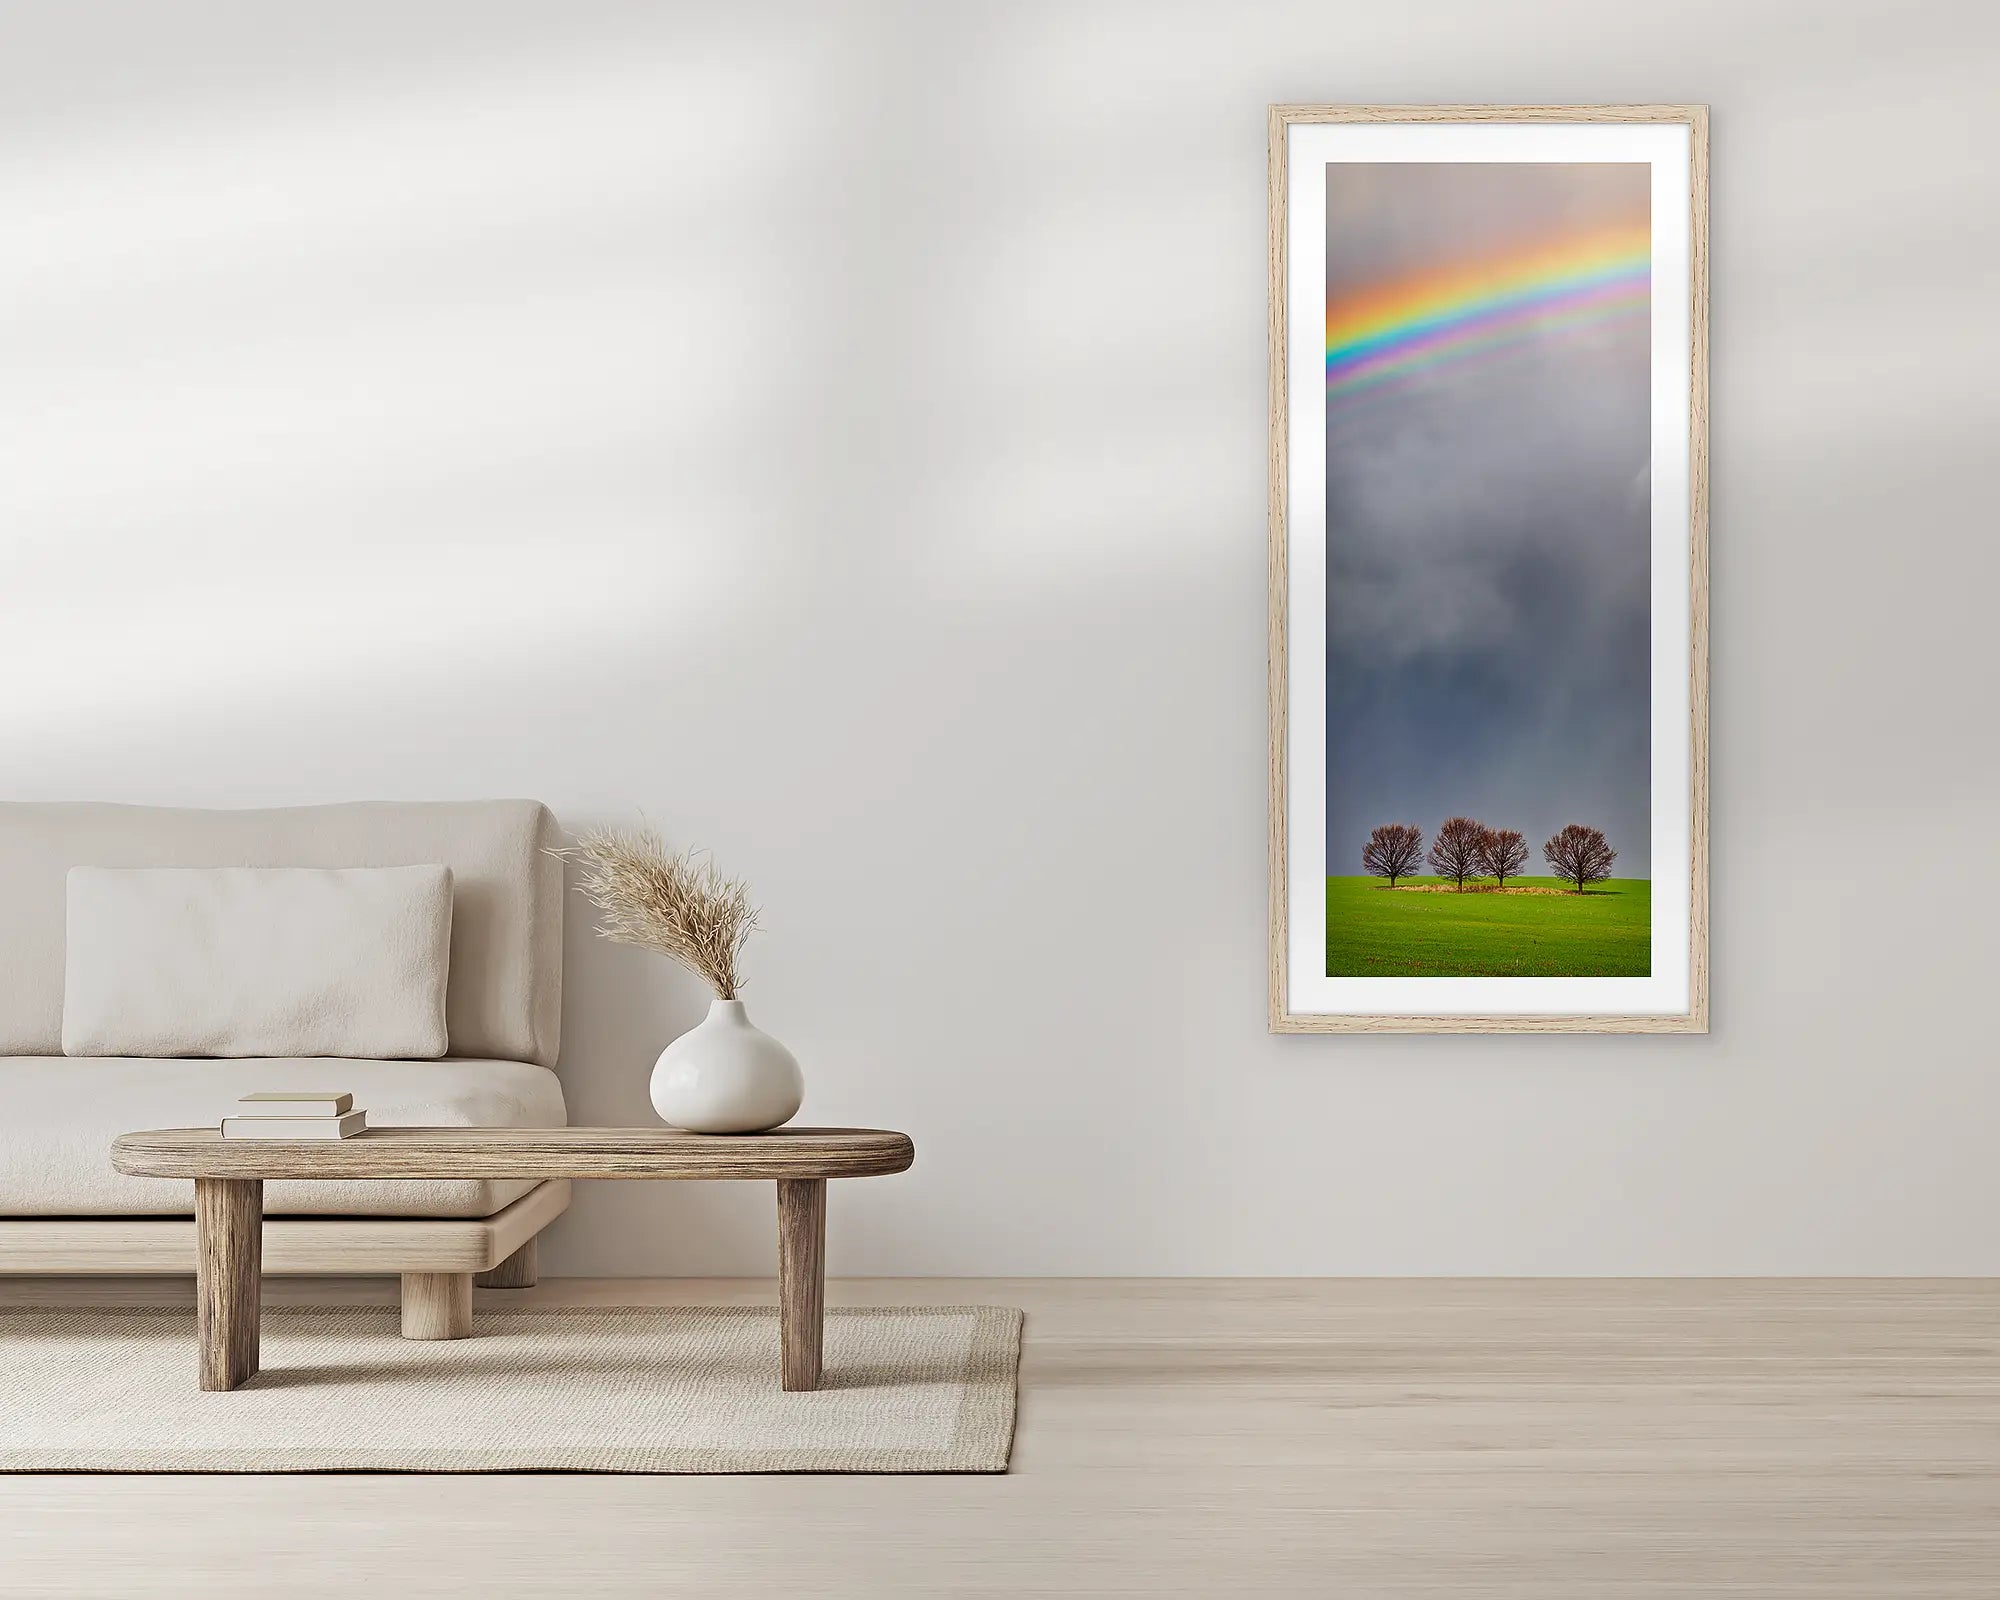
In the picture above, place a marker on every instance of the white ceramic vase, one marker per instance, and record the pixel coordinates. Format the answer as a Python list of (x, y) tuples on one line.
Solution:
[(725, 1076)]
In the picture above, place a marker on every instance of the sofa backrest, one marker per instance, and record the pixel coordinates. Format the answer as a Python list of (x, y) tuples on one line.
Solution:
[(504, 995)]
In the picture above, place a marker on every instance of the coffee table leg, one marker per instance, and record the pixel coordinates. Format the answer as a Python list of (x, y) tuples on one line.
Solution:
[(228, 1270), (801, 1278)]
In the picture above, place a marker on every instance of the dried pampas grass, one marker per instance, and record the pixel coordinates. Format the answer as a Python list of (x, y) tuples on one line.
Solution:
[(677, 904)]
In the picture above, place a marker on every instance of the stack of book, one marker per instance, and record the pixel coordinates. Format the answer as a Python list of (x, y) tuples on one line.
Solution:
[(302, 1115)]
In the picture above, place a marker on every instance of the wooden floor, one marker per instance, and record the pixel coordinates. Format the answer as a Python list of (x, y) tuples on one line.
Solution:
[(1227, 1439)]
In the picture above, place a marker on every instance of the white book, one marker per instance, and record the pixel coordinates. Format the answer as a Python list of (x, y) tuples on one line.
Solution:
[(301, 1103), (345, 1127)]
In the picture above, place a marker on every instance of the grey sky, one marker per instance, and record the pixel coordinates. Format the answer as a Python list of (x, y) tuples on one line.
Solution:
[(1488, 539)]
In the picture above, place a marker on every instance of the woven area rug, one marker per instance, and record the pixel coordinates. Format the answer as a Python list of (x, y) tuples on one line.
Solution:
[(579, 1389)]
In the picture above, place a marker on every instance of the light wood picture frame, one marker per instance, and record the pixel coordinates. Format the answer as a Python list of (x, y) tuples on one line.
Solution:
[(1485, 269)]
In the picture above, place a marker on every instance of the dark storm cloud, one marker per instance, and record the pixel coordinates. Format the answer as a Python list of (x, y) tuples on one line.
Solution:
[(1488, 550)]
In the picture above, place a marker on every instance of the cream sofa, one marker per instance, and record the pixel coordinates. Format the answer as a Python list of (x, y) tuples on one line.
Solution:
[(62, 1207)]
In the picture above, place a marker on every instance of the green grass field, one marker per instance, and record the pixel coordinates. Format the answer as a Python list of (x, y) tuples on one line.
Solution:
[(1373, 931)]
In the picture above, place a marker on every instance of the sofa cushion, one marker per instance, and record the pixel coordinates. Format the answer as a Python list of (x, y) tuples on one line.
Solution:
[(59, 1114), (504, 996), (257, 961)]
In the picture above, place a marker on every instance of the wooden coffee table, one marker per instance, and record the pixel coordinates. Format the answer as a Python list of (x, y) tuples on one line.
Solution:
[(229, 1177)]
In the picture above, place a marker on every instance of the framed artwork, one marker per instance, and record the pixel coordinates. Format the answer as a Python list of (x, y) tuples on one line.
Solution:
[(1489, 582)]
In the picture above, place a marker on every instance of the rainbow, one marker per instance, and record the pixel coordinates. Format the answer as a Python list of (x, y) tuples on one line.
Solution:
[(1423, 321)]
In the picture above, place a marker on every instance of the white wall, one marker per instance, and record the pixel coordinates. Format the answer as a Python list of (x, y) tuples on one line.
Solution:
[(840, 432)]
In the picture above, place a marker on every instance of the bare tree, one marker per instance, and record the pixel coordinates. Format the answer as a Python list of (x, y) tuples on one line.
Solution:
[(1455, 850), (1580, 855), (1394, 850), (1503, 853)]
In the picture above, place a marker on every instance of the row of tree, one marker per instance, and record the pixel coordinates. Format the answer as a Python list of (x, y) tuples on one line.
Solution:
[(1465, 849)]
